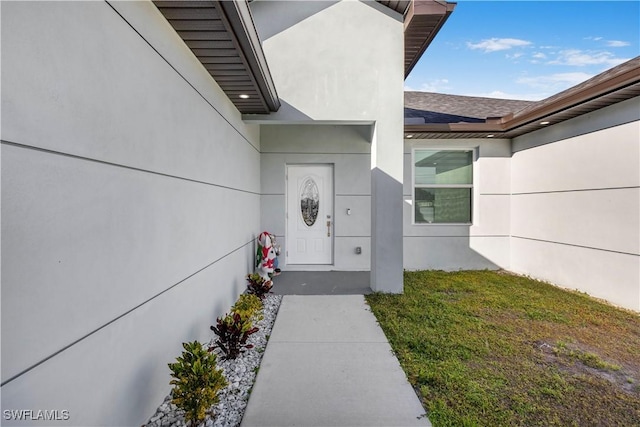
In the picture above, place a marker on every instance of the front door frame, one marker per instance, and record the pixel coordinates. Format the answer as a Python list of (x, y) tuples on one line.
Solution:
[(288, 215)]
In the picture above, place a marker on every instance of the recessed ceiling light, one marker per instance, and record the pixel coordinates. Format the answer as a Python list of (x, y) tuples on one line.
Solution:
[(490, 136), (244, 96), (409, 136), (544, 123)]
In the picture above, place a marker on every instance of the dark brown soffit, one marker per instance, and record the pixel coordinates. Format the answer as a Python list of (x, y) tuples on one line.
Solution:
[(399, 6), (422, 22), (221, 34), (615, 85)]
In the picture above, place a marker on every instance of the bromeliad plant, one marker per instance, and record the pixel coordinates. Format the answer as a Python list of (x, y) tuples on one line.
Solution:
[(258, 285), (233, 331), (196, 382)]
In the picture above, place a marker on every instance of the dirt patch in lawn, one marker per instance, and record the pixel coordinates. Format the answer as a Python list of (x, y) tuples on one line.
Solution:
[(580, 360)]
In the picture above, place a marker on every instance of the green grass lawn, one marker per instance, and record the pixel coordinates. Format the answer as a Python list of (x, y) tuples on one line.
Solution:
[(487, 348)]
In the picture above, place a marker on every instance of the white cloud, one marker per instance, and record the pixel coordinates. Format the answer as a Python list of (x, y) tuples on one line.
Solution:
[(496, 44), (537, 57), (531, 96), (580, 58), (617, 43), (554, 83), (609, 43), (514, 55), (541, 87), (434, 85)]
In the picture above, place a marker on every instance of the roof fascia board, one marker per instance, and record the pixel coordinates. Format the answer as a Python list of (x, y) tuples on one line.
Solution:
[(408, 16), (237, 16), (435, 7), (455, 127), (573, 97)]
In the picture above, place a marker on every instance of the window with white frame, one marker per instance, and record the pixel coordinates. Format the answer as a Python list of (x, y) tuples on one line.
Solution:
[(442, 186)]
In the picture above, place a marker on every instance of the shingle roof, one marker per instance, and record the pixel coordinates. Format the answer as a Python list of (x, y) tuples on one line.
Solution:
[(442, 108), (618, 84)]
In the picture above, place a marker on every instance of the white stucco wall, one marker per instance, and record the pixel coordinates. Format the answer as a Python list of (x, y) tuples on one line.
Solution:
[(485, 243), (576, 204), (342, 146), (130, 203), (342, 62)]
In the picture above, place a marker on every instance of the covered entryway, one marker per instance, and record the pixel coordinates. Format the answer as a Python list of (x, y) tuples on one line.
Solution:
[(309, 214), (364, 198)]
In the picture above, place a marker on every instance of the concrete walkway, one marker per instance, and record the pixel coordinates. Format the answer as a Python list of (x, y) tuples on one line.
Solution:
[(328, 363)]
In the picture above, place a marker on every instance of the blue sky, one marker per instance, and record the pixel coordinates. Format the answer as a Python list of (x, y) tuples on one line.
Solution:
[(526, 50)]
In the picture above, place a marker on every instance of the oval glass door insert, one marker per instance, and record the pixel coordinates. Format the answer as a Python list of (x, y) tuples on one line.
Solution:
[(309, 202)]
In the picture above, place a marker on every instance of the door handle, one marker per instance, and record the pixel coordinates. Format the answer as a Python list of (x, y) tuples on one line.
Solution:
[(328, 228)]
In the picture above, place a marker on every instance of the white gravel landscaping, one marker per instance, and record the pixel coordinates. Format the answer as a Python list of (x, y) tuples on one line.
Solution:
[(240, 374)]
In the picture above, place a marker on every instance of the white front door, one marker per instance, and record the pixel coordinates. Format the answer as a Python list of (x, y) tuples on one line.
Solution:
[(309, 214)]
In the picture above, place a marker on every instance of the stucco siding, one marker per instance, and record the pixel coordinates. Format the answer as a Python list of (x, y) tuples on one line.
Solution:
[(333, 60), (130, 204), (576, 205), (345, 148), (452, 253), (118, 375), (341, 62), (485, 242)]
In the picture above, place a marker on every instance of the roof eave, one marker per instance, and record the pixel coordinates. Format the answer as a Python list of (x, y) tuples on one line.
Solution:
[(613, 86), (423, 21), (238, 16), (454, 130), (223, 37), (399, 6), (455, 127), (577, 95)]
